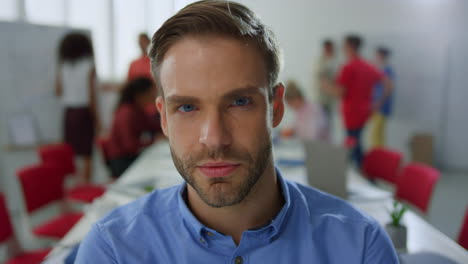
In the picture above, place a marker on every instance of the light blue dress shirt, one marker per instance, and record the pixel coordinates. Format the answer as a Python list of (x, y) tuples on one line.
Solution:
[(312, 227)]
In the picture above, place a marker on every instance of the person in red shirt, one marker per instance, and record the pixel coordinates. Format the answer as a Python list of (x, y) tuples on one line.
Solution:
[(354, 85), (133, 128), (141, 67)]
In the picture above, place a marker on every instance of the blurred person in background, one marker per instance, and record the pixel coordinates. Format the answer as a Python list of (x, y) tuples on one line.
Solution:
[(141, 67), (382, 113), (354, 85), (76, 86), (326, 70), (133, 129), (309, 120)]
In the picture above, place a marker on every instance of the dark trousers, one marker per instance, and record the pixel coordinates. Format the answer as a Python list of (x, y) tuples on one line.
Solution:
[(79, 130), (356, 152), (119, 165)]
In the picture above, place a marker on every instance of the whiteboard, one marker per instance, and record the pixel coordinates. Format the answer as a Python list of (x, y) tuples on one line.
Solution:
[(28, 56)]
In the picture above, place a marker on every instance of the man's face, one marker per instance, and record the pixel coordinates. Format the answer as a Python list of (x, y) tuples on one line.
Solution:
[(217, 116)]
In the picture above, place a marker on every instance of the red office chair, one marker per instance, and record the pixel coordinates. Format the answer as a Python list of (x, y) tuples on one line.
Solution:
[(63, 156), (463, 236), (415, 185), (381, 163), (43, 185), (6, 235)]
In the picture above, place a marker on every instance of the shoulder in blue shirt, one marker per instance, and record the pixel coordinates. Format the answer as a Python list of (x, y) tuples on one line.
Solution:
[(312, 227)]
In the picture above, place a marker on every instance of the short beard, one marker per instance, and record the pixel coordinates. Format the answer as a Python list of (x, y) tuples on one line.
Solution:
[(255, 168)]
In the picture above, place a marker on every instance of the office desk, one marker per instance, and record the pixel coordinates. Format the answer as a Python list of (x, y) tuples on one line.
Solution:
[(155, 168)]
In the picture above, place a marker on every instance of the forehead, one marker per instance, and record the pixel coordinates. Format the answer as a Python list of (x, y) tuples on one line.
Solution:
[(211, 65)]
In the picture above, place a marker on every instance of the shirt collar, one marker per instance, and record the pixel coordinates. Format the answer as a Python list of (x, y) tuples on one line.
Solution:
[(280, 218), (197, 228), (190, 220)]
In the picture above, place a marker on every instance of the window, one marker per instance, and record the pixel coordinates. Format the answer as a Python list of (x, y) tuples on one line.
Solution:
[(157, 13), (50, 12), (179, 4), (8, 10), (94, 16), (129, 21)]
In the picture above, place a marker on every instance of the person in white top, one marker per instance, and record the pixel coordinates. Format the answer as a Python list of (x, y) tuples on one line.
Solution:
[(76, 85), (309, 120)]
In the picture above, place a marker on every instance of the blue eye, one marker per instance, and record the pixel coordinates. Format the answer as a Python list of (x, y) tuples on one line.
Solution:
[(186, 108), (242, 101)]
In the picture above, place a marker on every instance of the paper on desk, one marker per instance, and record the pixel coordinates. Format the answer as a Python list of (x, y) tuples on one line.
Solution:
[(58, 258), (360, 190)]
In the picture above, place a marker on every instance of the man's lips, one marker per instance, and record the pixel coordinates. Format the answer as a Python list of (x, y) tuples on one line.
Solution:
[(218, 169)]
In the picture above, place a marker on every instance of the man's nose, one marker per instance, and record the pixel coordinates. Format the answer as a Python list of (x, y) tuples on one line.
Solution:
[(214, 132)]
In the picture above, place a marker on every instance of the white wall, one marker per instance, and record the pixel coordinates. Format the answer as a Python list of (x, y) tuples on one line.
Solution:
[(455, 121)]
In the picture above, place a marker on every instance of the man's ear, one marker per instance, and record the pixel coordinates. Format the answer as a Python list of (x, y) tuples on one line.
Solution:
[(162, 113), (278, 104)]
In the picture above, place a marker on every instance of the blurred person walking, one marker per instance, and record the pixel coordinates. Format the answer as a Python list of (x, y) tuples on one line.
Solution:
[(325, 73), (381, 115), (76, 86), (141, 67), (354, 85)]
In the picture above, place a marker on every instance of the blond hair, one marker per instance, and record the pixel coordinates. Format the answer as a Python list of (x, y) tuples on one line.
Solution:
[(293, 91)]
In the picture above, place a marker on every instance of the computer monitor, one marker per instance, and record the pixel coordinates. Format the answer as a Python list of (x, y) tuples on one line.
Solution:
[(326, 166)]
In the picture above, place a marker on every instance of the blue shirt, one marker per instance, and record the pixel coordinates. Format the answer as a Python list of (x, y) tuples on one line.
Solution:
[(312, 227), (386, 108)]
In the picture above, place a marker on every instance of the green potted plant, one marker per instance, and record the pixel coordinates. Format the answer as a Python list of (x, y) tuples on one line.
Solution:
[(395, 229)]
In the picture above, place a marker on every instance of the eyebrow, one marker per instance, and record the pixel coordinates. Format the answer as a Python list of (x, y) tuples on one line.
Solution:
[(243, 91), (182, 99)]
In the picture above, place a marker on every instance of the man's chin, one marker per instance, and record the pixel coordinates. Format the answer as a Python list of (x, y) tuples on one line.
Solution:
[(219, 193), (221, 199)]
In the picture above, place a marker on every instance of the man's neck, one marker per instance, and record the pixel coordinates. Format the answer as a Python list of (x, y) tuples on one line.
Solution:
[(261, 205)]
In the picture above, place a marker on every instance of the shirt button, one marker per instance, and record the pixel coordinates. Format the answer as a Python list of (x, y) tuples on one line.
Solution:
[(238, 260), (202, 240), (209, 233)]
